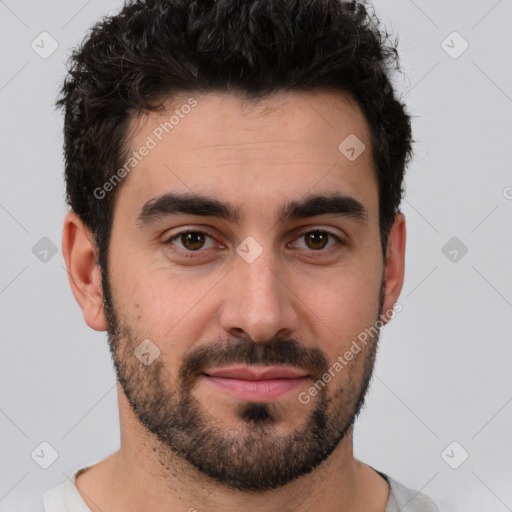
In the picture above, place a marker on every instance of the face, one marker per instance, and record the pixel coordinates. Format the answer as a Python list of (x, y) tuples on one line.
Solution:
[(244, 241)]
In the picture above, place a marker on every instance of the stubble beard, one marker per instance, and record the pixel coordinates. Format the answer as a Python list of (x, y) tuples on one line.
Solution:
[(254, 455)]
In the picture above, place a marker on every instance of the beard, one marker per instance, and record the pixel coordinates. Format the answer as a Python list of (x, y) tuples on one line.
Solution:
[(254, 455)]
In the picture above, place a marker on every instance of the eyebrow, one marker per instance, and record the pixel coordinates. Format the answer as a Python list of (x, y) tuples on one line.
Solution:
[(169, 204)]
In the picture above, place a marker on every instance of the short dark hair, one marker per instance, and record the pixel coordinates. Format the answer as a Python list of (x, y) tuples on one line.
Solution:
[(153, 50)]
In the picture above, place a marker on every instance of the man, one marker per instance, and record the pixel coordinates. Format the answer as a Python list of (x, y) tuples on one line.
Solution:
[(234, 171)]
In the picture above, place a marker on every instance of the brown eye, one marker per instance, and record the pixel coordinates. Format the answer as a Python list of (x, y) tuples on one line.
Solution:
[(191, 241), (317, 240)]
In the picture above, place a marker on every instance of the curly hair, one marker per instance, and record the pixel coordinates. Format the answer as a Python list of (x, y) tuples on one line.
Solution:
[(154, 49)]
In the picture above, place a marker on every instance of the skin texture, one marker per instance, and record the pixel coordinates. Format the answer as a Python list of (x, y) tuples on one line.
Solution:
[(303, 294)]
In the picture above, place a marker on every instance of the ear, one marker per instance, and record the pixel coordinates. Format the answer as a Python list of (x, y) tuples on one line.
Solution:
[(395, 267), (80, 254)]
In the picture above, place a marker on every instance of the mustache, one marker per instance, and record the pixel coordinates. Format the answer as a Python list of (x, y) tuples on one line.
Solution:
[(246, 351)]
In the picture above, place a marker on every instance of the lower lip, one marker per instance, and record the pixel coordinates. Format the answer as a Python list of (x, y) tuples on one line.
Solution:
[(256, 390)]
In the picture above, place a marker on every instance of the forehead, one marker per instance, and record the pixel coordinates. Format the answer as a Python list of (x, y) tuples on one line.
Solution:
[(220, 144)]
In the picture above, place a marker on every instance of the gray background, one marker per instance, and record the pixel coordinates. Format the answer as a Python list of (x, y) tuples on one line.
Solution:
[(443, 373)]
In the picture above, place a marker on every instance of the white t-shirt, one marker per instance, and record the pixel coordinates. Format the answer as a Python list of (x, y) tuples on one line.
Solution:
[(66, 498)]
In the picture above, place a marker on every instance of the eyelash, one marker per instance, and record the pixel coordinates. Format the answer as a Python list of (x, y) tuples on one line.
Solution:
[(191, 254)]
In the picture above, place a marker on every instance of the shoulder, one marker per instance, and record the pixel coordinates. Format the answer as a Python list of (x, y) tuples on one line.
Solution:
[(65, 497), (403, 499)]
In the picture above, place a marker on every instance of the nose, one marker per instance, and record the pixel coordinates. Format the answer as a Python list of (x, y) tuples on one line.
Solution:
[(258, 302)]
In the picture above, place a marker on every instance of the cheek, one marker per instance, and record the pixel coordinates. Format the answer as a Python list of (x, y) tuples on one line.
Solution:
[(170, 308), (347, 303)]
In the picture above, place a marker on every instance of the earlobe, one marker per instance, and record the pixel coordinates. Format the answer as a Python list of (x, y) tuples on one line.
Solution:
[(80, 254), (395, 266)]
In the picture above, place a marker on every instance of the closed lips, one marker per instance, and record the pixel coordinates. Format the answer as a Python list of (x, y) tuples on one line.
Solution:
[(254, 373)]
